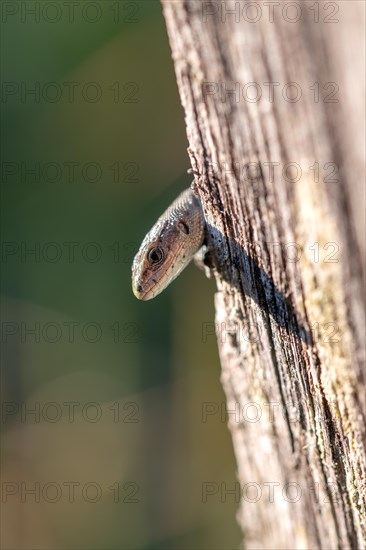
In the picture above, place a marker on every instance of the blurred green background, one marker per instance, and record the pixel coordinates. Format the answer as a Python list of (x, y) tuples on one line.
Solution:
[(93, 150)]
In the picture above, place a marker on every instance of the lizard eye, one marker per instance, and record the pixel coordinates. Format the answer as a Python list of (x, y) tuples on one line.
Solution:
[(156, 255)]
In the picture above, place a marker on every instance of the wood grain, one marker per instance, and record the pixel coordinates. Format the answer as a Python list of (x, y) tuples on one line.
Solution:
[(275, 123)]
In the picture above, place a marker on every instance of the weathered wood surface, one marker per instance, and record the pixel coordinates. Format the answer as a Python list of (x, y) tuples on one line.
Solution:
[(288, 251)]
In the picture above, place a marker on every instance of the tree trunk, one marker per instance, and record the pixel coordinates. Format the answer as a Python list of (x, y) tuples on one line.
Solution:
[(273, 96)]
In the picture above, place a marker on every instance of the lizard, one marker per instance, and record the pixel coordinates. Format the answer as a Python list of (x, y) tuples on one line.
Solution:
[(169, 246)]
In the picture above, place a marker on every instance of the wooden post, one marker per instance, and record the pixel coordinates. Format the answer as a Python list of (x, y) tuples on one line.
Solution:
[(273, 95)]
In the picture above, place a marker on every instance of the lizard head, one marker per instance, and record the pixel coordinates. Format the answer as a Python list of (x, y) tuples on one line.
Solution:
[(168, 247), (162, 256)]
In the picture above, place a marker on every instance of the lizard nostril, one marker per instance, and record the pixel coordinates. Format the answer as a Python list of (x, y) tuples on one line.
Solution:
[(140, 288)]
